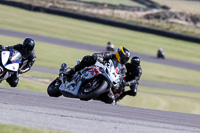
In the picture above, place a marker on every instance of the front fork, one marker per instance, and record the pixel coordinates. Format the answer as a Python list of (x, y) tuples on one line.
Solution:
[(63, 69)]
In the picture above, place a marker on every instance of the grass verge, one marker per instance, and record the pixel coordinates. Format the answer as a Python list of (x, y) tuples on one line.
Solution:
[(19, 129), (151, 71), (97, 34), (164, 99)]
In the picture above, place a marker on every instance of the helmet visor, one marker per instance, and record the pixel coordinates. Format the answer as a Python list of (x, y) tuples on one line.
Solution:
[(123, 57)]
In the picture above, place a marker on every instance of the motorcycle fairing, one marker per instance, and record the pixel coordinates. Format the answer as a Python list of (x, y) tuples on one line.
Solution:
[(73, 86), (4, 58), (68, 87), (88, 73), (94, 71), (12, 67), (113, 75)]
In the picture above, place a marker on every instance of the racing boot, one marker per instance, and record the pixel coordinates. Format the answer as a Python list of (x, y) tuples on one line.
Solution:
[(112, 97), (13, 80)]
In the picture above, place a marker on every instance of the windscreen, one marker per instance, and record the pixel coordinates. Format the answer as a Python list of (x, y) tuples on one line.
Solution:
[(15, 56)]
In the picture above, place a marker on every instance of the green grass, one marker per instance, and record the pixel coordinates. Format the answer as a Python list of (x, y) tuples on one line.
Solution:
[(41, 75), (19, 129), (49, 55), (163, 99), (28, 85), (168, 74), (151, 71), (97, 34)]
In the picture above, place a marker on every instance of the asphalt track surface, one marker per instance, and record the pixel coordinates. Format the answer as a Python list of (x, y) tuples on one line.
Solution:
[(36, 109)]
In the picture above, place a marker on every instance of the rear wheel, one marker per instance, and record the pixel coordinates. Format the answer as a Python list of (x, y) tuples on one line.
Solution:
[(53, 88), (92, 88)]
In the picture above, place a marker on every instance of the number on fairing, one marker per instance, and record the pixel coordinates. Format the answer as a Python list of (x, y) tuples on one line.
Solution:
[(94, 71)]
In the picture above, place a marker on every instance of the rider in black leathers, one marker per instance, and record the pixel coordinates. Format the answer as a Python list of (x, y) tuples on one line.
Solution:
[(28, 58), (133, 74), (120, 57), (160, 54)]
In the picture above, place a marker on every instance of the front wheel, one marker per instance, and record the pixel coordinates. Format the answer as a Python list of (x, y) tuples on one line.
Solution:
[(92, 88), (53, 88)]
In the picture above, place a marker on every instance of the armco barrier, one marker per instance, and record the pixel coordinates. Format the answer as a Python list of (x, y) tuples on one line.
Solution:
[(102, 21)]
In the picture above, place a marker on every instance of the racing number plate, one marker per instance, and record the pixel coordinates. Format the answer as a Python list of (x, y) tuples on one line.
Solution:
[(94, 71)]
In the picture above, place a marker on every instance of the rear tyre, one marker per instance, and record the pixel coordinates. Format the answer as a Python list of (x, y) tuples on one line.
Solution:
[(53, 88)]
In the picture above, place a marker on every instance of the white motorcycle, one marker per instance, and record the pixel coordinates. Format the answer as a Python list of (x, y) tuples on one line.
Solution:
[(89, 83), (9, 64)]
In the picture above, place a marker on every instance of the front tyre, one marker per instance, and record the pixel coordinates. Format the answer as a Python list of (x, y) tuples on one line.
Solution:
[(92, 88), (53, 88)]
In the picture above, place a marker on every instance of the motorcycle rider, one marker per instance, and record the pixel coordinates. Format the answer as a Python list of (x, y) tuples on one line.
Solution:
[(120, 57), (110, 47), (160, 54), (133, 74), (28, 58)]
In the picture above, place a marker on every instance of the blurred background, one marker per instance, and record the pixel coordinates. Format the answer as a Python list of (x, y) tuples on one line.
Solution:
[(172, 15)]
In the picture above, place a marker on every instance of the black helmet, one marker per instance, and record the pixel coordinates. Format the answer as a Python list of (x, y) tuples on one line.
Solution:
[(135, 61), (122, 55), (29, 44)]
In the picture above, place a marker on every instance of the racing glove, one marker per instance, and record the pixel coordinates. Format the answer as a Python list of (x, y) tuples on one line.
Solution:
[(100, 59), (3, 47), (133, 82)]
